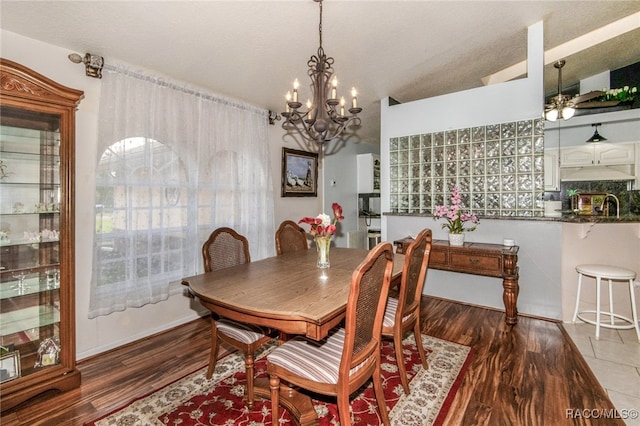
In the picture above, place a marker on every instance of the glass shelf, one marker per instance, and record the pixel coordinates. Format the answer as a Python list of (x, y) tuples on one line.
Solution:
[(28, 318), (23, 242), (33, 285)]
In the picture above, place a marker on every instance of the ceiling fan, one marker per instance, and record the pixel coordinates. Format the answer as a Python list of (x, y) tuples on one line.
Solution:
[(564, 106)]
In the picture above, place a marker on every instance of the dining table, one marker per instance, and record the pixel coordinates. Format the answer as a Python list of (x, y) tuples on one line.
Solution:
[(288, 293)]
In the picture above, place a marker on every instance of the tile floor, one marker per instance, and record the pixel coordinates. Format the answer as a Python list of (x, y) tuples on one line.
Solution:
[(615, 361)]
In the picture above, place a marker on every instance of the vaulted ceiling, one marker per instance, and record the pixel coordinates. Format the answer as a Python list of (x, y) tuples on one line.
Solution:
[(253, 50)]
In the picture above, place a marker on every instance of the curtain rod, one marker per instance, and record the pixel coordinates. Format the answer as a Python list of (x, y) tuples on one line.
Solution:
[(95, 64)]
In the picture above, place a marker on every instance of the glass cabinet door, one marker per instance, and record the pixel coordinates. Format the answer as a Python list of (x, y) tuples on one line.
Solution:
[(29, 240), (37, 274)]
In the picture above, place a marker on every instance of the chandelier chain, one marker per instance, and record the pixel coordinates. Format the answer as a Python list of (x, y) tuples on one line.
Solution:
[(320, 25)]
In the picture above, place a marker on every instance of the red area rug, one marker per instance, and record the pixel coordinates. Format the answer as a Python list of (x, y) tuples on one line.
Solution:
[(194, 400)]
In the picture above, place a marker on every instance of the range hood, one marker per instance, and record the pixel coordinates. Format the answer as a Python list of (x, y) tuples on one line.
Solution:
[(572, 174)]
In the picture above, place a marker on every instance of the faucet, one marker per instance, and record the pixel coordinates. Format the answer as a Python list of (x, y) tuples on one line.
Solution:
[(604, 200)]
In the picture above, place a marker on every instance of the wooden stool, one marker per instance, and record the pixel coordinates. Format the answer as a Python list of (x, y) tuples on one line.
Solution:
[(610, 273)]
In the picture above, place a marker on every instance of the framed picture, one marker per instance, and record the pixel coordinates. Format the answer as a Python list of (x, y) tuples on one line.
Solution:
[(299, 173), (9, 366)]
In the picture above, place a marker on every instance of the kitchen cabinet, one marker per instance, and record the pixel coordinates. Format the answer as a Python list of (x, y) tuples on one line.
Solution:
[(551, 170), (37, 323), (368, 178), (597, 154)]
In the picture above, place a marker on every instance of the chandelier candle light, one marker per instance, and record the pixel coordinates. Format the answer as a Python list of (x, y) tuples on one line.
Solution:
[(324, 120), (322, 229), (455, 218)]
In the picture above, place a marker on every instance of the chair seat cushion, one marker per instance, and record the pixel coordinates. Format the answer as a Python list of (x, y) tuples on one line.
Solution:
[(317, 361), (246, 333), (390, 313)]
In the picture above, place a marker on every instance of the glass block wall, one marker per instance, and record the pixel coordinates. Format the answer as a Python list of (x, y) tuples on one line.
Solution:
[(499, 167)]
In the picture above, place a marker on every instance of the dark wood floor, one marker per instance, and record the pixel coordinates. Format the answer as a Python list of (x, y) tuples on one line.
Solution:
[(526, 375)]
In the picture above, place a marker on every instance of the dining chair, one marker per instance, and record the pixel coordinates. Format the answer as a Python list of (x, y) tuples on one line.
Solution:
[(403, 313), (290, 237), (226, 248), (347, 358)]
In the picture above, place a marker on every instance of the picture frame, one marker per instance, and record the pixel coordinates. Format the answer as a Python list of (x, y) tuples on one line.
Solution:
[(10, 366), (299, 173)]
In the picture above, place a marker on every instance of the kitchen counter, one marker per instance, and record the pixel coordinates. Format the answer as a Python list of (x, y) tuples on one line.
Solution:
[(567, 218)]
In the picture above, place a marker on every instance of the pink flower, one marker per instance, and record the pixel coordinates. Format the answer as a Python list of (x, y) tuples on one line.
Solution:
[(455, 218)]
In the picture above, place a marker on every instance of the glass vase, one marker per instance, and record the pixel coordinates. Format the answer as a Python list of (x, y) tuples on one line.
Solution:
[(323, 244), (456, 239)]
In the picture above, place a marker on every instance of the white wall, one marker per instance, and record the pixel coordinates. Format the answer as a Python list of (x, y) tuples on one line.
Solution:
[(539, 263), (615, 244), (105, 332), (539, 257), (617, 127), (341, 168)]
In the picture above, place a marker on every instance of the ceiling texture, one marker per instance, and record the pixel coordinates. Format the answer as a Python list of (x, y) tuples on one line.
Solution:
[(253, 50)]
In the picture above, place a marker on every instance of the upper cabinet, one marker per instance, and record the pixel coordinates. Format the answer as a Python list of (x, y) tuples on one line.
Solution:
[(597, 154), (368, 173), (37, 273), (551, 170)]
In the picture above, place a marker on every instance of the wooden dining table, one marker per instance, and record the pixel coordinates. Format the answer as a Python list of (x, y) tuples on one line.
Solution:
[(288, 293)]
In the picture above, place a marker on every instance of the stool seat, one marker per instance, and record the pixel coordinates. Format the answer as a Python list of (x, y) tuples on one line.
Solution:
[(606, 271), (611, 274)]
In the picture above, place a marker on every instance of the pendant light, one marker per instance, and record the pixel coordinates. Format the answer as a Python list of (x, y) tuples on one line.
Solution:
[(596, 136)]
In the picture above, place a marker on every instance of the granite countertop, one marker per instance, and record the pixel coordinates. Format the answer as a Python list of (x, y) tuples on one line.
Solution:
[(567, 218)]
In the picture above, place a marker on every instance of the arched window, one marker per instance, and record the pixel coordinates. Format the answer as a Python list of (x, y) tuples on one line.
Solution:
[(142, 221)]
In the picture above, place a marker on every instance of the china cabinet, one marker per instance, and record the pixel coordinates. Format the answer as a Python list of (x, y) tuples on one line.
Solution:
[(37, 325)]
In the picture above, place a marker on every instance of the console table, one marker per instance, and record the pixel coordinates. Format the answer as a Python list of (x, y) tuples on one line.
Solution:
[(490, 260)]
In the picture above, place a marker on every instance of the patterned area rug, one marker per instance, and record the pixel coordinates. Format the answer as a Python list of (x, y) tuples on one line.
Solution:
[(194, 400)]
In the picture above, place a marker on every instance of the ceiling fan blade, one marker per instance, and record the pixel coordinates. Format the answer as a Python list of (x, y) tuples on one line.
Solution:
[(587, 96), (596, 104)]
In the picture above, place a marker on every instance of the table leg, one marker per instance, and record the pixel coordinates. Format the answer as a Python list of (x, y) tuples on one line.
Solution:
[(511, 289), (297, 403)]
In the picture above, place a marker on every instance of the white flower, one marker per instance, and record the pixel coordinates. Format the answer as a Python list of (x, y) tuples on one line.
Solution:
[(325, 218)]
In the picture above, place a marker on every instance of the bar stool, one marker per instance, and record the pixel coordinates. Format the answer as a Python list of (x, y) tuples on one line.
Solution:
[(610, 273)]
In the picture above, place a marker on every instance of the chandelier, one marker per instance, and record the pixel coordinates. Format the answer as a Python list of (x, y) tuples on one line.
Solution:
[(324, 119)]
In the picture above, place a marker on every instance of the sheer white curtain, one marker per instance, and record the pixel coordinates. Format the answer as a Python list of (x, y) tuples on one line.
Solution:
[(174, 163)]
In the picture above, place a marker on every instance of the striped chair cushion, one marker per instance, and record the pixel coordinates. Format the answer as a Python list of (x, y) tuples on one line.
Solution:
[(317, 361), (390, 312), (245, 333)]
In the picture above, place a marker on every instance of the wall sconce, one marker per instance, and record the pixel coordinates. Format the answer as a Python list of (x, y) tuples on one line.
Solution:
[(93, 63), (273, 116)]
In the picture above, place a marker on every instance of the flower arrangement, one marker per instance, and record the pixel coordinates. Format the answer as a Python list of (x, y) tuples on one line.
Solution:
[(455, 218), (623, 94), (322, 225), (322, 229)]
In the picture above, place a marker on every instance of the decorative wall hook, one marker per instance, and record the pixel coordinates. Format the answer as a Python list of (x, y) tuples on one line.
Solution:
[(93, 63)]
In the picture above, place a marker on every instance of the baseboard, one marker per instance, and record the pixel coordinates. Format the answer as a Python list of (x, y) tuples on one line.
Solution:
[(84, 356), (490, 308)]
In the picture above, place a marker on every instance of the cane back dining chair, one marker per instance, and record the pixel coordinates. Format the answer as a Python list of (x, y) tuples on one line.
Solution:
[(226, 248), (290, 237), (350, 355), (403, 313)]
